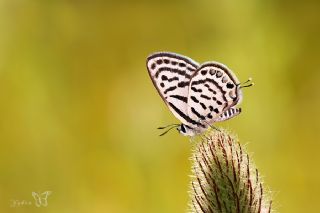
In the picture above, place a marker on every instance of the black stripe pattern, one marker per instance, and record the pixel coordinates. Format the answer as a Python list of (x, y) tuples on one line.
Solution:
[(171, 74), (180, 97), (211, 93), (196, 95), (230, 113)]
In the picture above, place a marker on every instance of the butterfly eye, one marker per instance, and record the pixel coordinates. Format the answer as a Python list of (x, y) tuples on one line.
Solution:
[(183, 129)]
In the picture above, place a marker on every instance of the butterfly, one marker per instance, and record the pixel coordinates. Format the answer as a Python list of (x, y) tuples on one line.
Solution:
[(197, 94), (41, 199)]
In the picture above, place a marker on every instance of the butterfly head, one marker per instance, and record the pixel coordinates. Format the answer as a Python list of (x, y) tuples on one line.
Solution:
[(185, 130), (182, 129)]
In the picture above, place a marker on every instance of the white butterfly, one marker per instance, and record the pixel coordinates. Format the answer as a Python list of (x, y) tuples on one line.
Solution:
[(198, 95), (41, 199)]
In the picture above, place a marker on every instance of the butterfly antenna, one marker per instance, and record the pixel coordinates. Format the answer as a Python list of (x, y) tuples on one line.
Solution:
[(247, 81), (249, 85), (167, 131), (163, 127)]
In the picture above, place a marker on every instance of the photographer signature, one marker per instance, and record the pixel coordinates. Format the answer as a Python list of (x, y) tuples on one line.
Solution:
[(40, 199)]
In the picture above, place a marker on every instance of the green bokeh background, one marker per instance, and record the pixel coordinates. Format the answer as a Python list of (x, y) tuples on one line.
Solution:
[(78, 112)]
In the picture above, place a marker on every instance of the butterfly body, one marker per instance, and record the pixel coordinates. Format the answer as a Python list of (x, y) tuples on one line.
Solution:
[(198, 95)]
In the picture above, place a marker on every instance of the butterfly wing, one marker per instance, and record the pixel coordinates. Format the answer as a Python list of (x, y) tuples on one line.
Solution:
[(37, 199), (228, 114), (44, 198), (171, 74), (213, 90)]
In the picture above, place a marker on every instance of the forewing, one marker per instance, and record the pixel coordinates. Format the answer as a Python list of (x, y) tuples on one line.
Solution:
[(213, 90), (171, 74)]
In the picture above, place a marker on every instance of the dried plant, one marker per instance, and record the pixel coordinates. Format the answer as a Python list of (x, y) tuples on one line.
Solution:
[(224, 178)]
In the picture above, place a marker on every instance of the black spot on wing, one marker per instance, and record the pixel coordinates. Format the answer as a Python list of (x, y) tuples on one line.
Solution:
[(197, 114), (174, 57), (212, 72), (164, 77), (230, 85), (183, 83), (184, 116), (205, 97), (173, 79), (170, 89), (203, 105), (172, 70), (182, 64), (179, 97), (219, 74), (194, 99), (210, 90), (221, 67), (204, 72), (195, 89), (203, 81), (191, 69)]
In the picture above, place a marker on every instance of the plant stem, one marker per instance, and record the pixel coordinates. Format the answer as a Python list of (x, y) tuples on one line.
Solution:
[(224, 179)]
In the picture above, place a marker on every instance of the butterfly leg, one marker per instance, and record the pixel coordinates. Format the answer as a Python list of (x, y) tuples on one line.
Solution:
[(212, 127)]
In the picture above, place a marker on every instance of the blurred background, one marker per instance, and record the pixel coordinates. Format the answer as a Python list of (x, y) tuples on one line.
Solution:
[(78, 112)]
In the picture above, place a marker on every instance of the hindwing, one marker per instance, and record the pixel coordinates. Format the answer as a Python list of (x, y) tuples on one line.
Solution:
[(213, 90)]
